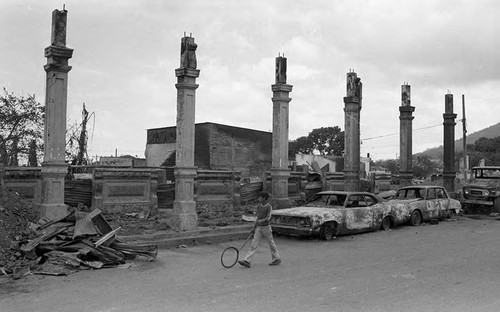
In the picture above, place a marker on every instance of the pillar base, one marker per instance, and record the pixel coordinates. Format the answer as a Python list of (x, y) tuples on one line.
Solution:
[(185, 217), (280, 188), (53, 211), (405, 178), (449, 181), (351, 178)]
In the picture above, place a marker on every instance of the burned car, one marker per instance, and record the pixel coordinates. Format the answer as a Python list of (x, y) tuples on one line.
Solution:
[(332, 213), (483, 188), (426, 202)]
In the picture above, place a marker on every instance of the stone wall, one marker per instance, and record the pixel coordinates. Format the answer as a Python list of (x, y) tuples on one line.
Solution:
[(26, 181), (217, 194), (125, 190), (296, 185)]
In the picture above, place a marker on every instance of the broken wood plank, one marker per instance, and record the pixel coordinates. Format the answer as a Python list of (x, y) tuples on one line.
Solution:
[(107, 239), (83, 224), (35, 242), (67, 217), (150, 251), (101, 225)]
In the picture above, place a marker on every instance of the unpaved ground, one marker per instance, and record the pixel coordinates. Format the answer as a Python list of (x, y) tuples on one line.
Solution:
[(452, 266)]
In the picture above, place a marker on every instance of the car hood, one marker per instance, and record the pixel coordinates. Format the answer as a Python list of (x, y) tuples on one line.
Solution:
[(455, 204), (302, 211)]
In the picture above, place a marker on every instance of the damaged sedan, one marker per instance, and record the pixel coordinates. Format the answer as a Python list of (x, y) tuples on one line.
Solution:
[(426, 202), (332, 213)]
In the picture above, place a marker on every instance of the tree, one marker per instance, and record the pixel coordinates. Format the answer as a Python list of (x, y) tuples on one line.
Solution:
[(328, 140), (489, 149), (76, 145), (302, 145), (325, 140), (21, 122), (423, 166)]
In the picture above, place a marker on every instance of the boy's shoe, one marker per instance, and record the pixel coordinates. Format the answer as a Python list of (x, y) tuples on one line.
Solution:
[(244, 263), (275, 262)]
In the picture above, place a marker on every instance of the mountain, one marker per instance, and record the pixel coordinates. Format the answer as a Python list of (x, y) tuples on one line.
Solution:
[(490, 133)]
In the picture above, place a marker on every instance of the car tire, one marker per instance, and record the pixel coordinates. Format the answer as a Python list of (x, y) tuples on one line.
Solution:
[(416, 218), (386, 224), (452, 213), (327, 231)]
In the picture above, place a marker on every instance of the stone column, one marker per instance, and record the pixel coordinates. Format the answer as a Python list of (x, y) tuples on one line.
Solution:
[(185, 217), (449, 172), (352, 111), (54, 168), (405, 136), (280, 171)]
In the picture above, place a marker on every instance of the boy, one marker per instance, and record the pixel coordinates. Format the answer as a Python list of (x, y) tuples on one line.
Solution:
[(262, 228)]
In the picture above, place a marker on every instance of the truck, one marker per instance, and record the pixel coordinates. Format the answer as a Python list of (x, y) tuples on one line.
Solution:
[(483, 188)]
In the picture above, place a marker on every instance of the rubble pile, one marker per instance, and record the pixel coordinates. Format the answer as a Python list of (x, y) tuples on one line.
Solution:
[(16, 216), (80, 240)]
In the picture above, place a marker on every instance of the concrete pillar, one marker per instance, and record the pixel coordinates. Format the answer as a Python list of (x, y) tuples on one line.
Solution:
[(352, 111), (279, 170), (405, 136), (449, 172), (185, 217), (54, 168)]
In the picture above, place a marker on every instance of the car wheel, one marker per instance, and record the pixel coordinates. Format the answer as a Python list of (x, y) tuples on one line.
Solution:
[(327, 231), (415, 218), (386, 224), (452, 213)]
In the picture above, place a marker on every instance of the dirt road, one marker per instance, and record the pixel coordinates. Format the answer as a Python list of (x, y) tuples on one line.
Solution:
[(452, 266)]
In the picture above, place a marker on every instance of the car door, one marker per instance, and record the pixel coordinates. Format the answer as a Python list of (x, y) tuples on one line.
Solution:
[(358, 215), (443, 202), (432, 204)]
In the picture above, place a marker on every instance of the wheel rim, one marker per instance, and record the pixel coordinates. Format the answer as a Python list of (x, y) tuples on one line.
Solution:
[(327, 232), (415, 218), (386, 224)]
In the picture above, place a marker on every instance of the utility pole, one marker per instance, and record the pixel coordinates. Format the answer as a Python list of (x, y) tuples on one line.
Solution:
[(464, 127)]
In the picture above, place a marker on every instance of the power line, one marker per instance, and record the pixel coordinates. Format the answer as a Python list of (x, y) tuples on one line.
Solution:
[(387, 135)]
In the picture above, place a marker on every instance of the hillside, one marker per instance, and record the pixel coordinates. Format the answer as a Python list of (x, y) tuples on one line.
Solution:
[(490, 132)]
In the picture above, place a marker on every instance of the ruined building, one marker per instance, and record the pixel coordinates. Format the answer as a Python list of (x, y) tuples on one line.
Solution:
[(217, 147)]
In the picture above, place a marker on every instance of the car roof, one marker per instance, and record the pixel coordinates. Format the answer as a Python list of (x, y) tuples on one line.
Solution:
[(344, 193), (420, 187)]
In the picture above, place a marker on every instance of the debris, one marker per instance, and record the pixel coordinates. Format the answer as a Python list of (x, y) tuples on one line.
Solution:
[(78, 241)]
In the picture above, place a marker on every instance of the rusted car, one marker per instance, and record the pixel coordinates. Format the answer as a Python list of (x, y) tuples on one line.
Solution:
[(426, 202), (333, 213), (483, 188)]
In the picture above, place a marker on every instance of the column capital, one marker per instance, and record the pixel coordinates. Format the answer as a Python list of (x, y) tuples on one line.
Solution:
[(57, 67), (449, 119), (58, 52), (351, 99), (406, 109), (279, 87), (190, 72), (187, 85)]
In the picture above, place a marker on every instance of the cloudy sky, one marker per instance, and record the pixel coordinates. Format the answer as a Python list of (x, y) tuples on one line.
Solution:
[(125, 54)]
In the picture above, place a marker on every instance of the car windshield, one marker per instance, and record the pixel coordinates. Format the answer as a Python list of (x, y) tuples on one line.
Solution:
[(487, 173), (327, 200), (408, 194)]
